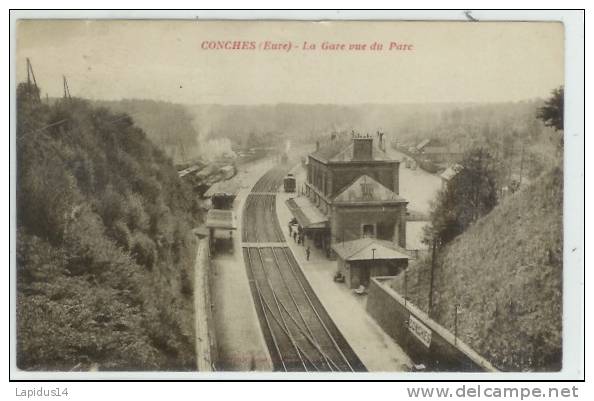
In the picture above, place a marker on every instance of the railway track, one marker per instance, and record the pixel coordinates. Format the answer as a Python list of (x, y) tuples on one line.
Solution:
[(299, 333)]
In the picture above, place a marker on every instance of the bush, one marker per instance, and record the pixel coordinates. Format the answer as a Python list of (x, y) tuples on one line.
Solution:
[(112, 206), (469, 195), (122, 235), (144, 250), (46, 194), (137, 217)]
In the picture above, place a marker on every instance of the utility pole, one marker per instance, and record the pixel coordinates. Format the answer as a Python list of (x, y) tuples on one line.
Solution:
[(457, 306), (430, 306), (31, 76), (522, 163), (66, 89), (405, 286), (30, 73)]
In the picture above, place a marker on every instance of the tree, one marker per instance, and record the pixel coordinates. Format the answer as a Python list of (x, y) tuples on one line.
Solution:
[(552, 111), (469, 195)]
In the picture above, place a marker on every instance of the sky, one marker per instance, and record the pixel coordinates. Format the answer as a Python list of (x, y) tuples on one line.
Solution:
[(165, 60)]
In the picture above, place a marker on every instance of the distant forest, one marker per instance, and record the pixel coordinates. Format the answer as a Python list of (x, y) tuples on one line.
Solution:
[(170, 126), (510, 131)]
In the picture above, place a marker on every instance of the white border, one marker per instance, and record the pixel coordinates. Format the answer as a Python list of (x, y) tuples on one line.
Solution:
[(573, 351)]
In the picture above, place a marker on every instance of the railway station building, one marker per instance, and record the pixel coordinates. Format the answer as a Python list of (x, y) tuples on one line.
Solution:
[(354, 188)]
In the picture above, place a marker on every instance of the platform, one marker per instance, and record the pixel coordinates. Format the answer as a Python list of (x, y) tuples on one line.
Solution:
[(241, 345)]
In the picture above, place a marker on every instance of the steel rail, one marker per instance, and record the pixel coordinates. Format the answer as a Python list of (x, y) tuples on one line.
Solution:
[(312, 341), (280, 313), (311, 334), (280, 355), (316, 312), (307, 357)]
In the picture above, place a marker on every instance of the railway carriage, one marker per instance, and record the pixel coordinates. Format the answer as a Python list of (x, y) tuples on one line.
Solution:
[(290, 183)]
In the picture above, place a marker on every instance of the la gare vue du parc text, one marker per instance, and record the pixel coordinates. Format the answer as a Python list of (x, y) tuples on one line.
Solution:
[(269, 45)]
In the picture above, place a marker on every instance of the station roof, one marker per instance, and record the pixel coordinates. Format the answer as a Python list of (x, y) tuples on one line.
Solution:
[(340, 150), (366, 189), (363, 249), (306, 213), (216, 218)]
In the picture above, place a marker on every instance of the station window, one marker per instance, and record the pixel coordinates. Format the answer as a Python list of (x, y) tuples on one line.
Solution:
[(368, 230), (367, 190)]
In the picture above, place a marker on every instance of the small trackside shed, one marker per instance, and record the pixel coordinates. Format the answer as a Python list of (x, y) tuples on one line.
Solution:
[(361, 259)]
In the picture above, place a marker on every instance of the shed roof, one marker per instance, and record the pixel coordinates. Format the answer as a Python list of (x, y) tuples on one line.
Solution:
[(228, 188), (216, 218), (366, 189), (363, 249)]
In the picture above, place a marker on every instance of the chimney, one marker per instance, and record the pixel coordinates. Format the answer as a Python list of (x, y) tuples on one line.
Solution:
[(317, 145), (362, 148)]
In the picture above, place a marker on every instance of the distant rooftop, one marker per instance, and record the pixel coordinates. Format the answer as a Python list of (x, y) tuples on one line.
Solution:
[(423, 143), (366, 189), (451, 172)]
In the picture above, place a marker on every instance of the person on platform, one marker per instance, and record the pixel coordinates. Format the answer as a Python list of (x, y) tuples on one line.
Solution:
[(307, 253)]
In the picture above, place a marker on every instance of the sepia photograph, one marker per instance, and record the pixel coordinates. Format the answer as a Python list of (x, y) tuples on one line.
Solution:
[(322, 197)]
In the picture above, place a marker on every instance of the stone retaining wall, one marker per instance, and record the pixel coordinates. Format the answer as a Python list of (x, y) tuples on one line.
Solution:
[(206, 348), (423, 339)]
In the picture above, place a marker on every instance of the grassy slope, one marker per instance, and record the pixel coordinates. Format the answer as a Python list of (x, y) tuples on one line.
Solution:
[(104, 250), (505, 272)]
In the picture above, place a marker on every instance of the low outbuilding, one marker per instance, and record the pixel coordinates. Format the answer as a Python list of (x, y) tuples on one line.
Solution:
[(361, 259)]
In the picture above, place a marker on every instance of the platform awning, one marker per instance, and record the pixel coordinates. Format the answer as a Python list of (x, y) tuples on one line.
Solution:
[(224, 219), (369, 249), (223, 188), (308, 216)]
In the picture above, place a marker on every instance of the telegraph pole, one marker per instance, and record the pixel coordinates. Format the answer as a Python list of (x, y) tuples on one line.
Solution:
[(431, 280), (457, 306), (405, 286), (66, 89), (522, 164), (31, 76)]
